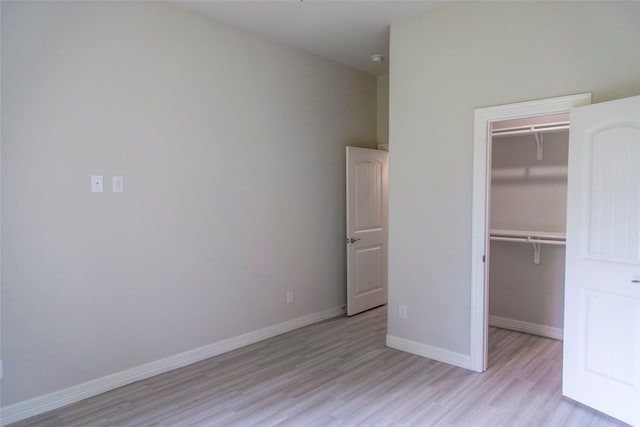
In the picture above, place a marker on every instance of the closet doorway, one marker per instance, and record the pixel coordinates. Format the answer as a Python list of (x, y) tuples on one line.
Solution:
[(523, 229), (527, 197), (601, 332)]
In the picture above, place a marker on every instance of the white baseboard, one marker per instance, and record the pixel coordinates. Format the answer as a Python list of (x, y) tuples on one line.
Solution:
[(38, 405), (530, 328), (435, 353)]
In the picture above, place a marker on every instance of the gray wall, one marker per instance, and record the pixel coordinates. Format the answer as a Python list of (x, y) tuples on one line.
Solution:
[(232, 149), (383, 108), (528, 194), (443, 65)]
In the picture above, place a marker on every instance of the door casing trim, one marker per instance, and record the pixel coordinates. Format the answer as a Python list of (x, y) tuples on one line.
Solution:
[(483, 117)]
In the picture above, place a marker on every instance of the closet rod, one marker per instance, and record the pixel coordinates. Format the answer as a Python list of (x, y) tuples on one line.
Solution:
[(528, 130), (548, 235), (529, 240), (536, 242)]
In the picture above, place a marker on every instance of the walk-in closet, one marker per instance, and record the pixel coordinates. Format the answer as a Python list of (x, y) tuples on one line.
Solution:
[(528, 193)]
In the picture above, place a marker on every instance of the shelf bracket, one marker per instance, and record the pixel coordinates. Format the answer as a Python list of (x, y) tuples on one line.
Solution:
[(536, 252), (539, 144)]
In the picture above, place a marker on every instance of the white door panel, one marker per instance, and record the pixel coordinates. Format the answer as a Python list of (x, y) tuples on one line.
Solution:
[(366, 229), (614, 206), (369, 270), (601, 361)]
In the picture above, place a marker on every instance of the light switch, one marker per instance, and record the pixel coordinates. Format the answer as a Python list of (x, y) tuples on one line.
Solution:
[(118, 183), (96, 183)]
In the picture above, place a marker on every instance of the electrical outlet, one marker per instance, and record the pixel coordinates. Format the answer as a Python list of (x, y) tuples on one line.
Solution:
[(289, 297), (402, 311)]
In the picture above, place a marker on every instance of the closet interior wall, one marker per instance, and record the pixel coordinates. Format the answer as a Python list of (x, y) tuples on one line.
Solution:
[(528, 194)]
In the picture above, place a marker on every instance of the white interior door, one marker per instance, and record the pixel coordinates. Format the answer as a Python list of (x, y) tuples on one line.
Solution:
[(367, 172), (601, 361)]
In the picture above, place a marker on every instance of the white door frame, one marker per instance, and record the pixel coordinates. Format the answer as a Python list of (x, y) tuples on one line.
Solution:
[(483, 117)]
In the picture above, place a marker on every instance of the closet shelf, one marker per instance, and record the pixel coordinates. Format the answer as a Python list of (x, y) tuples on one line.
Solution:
[(529, 240), (537, 131), (535, 238), (530, 130), (527, 235)]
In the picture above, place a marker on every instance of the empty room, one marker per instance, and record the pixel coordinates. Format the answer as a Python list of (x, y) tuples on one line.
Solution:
[(330, 213)]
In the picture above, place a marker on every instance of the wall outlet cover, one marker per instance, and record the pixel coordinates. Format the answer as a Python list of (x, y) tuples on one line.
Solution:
[(402, 311), (96, 184), (117, 183)]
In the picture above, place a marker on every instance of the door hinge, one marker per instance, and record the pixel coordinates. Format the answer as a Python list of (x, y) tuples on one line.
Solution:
[(484, 258)]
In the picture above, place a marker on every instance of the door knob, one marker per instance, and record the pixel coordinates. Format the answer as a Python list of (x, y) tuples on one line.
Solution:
[(635, 281), (352, 240)]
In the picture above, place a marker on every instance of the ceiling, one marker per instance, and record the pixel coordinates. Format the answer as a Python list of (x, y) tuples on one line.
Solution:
[(347, 32)]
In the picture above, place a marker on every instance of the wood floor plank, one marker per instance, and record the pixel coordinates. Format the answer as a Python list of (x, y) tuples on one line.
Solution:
[(339, 373)]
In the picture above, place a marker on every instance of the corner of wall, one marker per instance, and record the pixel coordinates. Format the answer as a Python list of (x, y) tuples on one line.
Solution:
[(382, 117)]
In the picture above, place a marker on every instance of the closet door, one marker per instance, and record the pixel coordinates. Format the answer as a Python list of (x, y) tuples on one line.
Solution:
[(601, 361)]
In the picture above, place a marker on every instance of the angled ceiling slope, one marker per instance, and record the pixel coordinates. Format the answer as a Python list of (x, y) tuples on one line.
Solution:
[(347, 32)]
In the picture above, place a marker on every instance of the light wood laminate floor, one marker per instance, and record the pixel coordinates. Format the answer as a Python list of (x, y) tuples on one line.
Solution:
[(339, 373)]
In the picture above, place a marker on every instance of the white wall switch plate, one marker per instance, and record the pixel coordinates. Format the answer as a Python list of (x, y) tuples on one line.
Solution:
[(96, 183), (289, 297), (118, 183)]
